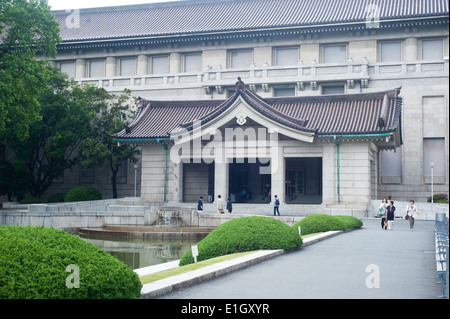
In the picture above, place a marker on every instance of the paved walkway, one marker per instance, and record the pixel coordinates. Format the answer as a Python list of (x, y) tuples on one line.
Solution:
[(340, 267)]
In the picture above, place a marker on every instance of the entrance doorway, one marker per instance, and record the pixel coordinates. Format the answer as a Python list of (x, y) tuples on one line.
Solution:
[(249, 181), (198, 180), (303, 180)]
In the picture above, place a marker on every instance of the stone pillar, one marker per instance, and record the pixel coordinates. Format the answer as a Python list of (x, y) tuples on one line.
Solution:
[(80, 68), (142, 65), (277, 165), (411, 49), (221, 178), (175, 63), (329, 185), (111, 66)]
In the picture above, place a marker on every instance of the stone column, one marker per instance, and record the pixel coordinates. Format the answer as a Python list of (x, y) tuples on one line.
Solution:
[(221, 178), (329, 185), (175, 63), (411, 49), (80, 68), (142, 65), (278, 167), (110, 69)]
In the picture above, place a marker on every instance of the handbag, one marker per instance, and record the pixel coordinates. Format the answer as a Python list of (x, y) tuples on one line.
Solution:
[(415, 214), (381, 211), (407, 217)]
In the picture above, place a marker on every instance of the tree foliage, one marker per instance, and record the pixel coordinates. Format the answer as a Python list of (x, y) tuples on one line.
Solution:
[(112, 116), (27, 28), (54, 141)]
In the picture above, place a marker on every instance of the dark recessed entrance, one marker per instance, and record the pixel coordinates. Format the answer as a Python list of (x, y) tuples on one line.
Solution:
[(249, 181), (304, 180)]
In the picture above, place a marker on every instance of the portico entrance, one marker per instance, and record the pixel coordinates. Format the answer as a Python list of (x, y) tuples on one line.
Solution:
[(249, 181), (303, 180)]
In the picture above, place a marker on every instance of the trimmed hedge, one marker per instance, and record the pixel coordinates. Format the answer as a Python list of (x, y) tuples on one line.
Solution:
[(322, 223), (34, 261), (31, 200), (245, 234), (82, 193), (56, 198)]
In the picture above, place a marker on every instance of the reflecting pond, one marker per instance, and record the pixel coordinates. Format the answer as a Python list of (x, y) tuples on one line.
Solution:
[(143, 252)]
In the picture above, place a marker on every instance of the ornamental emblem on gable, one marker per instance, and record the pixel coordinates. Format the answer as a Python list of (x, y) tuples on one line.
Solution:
[(241, 119)]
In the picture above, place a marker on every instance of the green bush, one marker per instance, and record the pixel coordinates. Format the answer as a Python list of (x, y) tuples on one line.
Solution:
[(245, 234), (31, 200), (82, 193), (56, 198), (322, 223), (438, 198), (34, 261)]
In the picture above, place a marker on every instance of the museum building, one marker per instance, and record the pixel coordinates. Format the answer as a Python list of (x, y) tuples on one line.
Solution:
[(337, 102)]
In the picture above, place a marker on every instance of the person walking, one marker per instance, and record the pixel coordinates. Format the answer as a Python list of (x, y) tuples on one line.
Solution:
[(276, 206), (390, 215), (382, 212), (200, 204), (411, 214), (229, 206), (219, 204)]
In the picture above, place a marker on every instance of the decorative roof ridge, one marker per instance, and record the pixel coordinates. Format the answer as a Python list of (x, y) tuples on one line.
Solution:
[(258, 104)]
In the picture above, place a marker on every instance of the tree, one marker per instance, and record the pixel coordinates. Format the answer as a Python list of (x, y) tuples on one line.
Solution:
[(54, 141), (101, 149), (27, 28)]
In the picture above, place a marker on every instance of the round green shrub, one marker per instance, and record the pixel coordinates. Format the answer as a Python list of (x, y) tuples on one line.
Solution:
[(82, 193), (56, 198), (245, 234), (37, 263), (321, 223), (31, 200)]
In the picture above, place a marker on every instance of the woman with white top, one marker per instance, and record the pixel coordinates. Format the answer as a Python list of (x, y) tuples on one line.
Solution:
[(411, 212)]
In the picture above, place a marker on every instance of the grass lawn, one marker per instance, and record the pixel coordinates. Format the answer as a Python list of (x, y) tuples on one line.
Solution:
[(180, 270)]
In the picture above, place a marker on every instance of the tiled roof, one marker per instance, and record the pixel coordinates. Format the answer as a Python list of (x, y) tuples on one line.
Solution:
[(364, 113), (203, 16)]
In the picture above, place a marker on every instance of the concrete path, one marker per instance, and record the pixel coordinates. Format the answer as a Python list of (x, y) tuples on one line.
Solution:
[(397, 264)]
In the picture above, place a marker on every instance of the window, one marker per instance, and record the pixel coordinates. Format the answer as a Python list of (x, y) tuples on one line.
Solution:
[(128, 67), (334, 53), (284, 91), (192, 62), (241, 59), (391, 51), (335, 89), (391, 163), (159, 64), (286, 56), (68, 68), (434, 151), (96, 68), (432, 49)]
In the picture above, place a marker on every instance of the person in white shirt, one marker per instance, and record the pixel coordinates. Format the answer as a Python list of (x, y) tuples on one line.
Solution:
[(411, 212)]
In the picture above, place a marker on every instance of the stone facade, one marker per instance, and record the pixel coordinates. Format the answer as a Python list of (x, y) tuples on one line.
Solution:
[(204, 67)]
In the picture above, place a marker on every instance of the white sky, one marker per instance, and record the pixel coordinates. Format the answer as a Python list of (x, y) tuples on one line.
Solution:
[(78, 4)]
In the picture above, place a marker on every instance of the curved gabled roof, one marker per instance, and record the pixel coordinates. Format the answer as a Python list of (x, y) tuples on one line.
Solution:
[(364, 113)]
